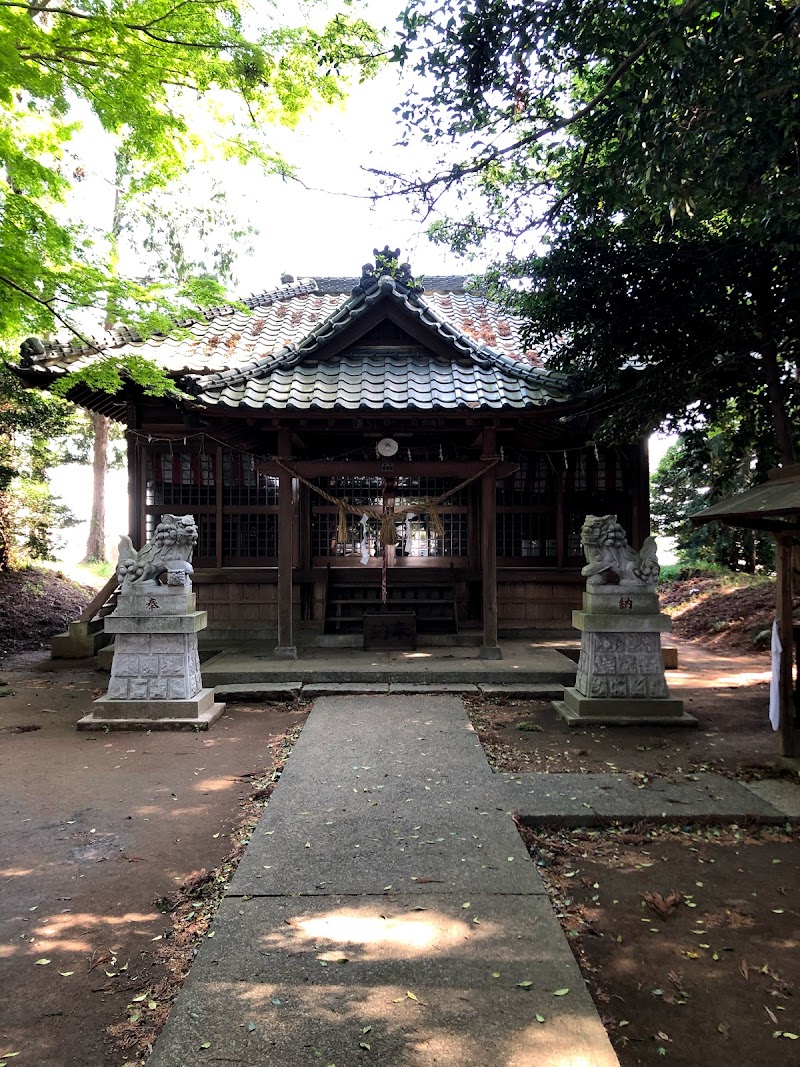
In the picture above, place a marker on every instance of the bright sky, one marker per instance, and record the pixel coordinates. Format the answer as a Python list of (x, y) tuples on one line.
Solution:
[(328, 225)]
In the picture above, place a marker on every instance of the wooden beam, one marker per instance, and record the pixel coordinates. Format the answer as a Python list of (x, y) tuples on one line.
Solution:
[(314, 468), (285, 647), (489, 648)]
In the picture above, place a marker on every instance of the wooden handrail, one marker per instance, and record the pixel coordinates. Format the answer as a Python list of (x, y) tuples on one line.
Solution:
[(93, 606)]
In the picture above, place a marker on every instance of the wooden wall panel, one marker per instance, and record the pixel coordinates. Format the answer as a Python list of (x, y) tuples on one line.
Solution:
[(241, 604), (537, 605)]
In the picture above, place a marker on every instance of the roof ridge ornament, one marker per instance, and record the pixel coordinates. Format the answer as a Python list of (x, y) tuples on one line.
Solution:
[(387, 265)]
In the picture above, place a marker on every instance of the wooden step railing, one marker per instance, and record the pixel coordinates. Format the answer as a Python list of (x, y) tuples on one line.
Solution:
[(102, 604)]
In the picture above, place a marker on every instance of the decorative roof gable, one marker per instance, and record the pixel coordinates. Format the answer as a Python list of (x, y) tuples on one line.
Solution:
[(328, 369)]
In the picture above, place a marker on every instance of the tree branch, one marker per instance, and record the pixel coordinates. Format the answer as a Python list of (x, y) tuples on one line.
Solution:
[(48, 305)]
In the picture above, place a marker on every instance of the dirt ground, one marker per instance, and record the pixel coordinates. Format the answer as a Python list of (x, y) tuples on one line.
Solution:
[(727, 614), (47, 600), (728, 695), (95, 828), (688, 938)]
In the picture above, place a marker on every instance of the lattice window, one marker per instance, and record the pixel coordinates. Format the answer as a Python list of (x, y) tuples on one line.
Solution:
[(579, 473), (249, 536), (242, 484), (180, 477), (532, 483), (324, 533), (409, 489), (355, 490), (527, 534), (418, 538)]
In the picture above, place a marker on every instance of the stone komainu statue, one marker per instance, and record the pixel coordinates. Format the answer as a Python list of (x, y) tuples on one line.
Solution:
[(169, 552), (610, 558)]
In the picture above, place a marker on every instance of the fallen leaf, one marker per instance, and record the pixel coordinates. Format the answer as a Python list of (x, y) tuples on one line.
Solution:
[(773, 1018), (411, 996), (663, 906), (560, 992), (539, 1018), (524, 985), (66, 974), (206, 1044), (365, 1045), (42, 963)]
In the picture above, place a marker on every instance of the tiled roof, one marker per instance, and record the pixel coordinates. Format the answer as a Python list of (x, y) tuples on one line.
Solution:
[(308, 374), (378, 380), (229, 338)]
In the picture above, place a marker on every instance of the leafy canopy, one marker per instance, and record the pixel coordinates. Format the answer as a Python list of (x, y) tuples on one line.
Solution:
[(653, 149), (165, 79)]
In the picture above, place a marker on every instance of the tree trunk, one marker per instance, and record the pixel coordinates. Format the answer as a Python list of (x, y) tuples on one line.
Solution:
[(96, 542)]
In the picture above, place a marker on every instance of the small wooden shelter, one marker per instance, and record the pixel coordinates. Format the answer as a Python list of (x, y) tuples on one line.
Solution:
[(358, 444), (774, 507)]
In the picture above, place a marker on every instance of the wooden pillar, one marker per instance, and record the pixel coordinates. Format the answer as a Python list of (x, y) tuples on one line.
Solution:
[(639, 489), (788, 740), (489, 648), (136, 501), (285, 648)]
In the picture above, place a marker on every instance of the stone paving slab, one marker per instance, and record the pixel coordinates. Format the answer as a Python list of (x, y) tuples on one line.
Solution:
[(269, 989), (780, 793), (592, 799), (364, 854), (312, 690), (233, 694), (412, 688), (379, 793)]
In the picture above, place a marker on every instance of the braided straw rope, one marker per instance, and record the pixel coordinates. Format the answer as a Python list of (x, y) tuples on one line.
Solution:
[(386, 521)]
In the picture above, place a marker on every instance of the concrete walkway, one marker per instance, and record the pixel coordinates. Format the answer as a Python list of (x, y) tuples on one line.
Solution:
[(386, 912)]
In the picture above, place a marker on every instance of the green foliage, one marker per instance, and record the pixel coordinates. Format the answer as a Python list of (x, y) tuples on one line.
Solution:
[(38, 519), (682, 572), (30, 423), (703, 468), (152, 73), (654, 147), (108, 374)]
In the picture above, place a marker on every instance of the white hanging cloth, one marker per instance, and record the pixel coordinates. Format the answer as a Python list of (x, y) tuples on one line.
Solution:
[(775, 680)]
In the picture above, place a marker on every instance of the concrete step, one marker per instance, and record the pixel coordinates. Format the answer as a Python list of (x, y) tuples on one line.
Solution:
[(83, 639), (214, 676)]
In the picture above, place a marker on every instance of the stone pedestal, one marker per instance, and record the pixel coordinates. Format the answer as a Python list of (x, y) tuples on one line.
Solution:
[(620, 679), (155, 674)]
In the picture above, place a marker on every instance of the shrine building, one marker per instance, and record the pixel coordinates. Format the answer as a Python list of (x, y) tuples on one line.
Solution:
[(357, 446)]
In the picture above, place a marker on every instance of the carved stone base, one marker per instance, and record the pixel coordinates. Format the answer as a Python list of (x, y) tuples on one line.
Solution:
[(579, 710), (621, 665), (140, 715), (149, 666)]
